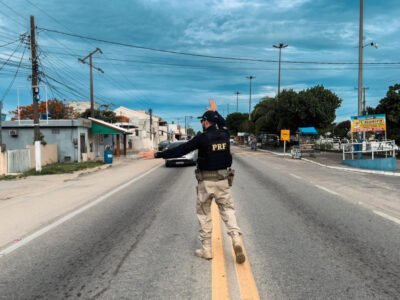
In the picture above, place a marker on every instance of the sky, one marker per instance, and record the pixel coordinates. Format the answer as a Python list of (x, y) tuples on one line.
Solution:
[(175, 85)]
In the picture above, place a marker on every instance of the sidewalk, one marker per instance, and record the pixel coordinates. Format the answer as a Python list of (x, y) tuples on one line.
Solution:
[(331, 160), (28, 204)]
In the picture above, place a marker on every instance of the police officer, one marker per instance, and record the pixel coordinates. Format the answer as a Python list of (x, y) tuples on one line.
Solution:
[(214, 178)]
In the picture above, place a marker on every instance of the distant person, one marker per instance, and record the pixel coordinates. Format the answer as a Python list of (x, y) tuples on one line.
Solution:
[(253, 142), (214, 178)]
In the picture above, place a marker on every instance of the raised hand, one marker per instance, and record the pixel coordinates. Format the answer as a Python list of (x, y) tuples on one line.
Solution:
[(213, 105)]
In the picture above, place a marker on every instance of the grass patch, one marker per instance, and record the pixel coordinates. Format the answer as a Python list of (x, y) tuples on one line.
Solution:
[(57, 168), (9, 177)]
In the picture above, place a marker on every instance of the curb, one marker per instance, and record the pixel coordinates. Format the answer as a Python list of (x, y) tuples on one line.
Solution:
[(338, 168)]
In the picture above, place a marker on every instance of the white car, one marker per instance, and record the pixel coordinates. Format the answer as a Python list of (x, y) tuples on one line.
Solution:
[(188, 159)]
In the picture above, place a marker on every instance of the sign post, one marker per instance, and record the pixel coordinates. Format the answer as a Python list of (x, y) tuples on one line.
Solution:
[(285, 136)]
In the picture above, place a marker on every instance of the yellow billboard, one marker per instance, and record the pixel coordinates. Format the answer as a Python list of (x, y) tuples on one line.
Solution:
[(371, 123)]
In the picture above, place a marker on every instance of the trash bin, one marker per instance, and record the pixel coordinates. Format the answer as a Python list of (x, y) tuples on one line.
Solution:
[(108, 156)]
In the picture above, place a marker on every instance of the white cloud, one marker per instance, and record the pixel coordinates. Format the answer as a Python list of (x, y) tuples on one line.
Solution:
[(289, 4)]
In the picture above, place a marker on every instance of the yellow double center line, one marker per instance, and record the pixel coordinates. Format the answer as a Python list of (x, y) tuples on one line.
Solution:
[(244, 275)]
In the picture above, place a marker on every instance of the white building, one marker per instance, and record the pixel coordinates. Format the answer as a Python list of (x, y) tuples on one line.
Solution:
[(81, 106), (145, 135)]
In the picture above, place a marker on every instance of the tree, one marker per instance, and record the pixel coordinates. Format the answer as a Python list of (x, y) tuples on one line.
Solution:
[(312, 107), (57, 109), (321, 105), (390, 105), (105, 115), (235, 122), (264, 115), (342, 129), (190, 132)]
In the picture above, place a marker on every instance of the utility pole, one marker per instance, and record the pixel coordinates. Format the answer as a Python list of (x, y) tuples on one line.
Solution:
[(1, 119), (36, 98), (186, 123), (364, 106), (35, 81), (83, 60), (151, 123), (360, 58), (250, 79), (237, 101), (280, 47)]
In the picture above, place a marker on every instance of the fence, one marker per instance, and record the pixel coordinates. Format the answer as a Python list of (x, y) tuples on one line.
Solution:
[(373, 148), (18, 161)]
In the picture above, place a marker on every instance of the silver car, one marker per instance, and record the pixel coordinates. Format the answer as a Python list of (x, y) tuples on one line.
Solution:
[(186, 160)]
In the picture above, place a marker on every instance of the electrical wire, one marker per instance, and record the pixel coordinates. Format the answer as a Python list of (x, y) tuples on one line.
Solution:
[(344, 68), (15, 76), (12, 54), (10, 43), (210, 56), (109, 78)]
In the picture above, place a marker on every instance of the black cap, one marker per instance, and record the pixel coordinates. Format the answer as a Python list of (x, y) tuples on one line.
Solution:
[(209, 116)]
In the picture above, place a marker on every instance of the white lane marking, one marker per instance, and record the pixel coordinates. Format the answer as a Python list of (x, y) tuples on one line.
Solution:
[(383, 215), (295, 176), (71, 215), (327, 190)]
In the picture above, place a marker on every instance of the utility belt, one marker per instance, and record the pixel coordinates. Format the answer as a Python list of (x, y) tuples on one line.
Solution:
[(216, 175)]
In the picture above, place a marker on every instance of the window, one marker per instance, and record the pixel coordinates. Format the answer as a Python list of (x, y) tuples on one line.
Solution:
[(55, 131)]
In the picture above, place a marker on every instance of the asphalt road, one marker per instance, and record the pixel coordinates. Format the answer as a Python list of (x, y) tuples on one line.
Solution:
[(304, 236)]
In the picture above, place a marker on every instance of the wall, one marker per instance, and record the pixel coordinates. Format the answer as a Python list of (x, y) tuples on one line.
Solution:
[(49, 154), (382, 164), (3, 162), (65, 137)]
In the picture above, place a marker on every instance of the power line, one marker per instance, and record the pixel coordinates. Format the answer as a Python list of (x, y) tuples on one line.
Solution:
[(54, 19), (344, 68), (10, 43), (108, 78), (15, 76), (210, 56), (12, 54)]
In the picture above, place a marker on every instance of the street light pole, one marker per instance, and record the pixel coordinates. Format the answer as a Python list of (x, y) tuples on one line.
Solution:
[(186, 124), (250, 79), (237, 101), (280, 46)]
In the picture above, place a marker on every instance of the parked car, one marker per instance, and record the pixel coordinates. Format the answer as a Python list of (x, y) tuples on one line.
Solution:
[(189, 159), (269, 140)]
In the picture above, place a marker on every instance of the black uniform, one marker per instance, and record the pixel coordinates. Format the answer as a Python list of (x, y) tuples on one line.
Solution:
[(213, 145)]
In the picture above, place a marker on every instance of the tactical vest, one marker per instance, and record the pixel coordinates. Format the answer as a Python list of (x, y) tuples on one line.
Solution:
[(214, 153)]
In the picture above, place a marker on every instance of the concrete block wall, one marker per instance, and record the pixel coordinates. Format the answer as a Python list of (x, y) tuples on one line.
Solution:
[(3, 162), (49, 154)]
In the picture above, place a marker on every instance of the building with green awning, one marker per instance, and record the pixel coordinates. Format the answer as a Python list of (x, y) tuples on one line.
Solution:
[(102, 128)]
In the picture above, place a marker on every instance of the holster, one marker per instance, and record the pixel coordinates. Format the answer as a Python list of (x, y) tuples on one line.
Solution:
[(231, 175), (198, 175)]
